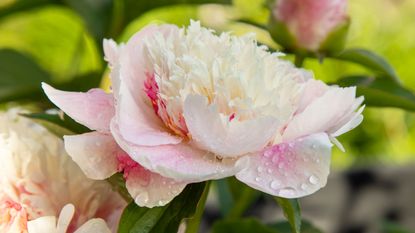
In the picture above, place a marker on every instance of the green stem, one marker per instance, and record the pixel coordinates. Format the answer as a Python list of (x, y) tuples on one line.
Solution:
[(193, 223), (247, 197), (299, 60)]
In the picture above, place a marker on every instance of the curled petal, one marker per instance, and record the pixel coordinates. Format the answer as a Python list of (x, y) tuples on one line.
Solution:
[(327, 113), (235, 138), (94, 152), (180, 162), (138, 123), (111, 51), (94, 108), (289, 170)]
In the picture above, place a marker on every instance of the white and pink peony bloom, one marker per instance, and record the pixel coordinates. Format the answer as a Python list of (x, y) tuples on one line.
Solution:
[(42, 190), (311, 21), (188, 106)]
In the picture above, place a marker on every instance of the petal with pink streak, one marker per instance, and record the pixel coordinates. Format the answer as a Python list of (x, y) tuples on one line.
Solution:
[(94, 108), (180, 162), (151, 189), (137, 121), (94, 152), (228, 139), (327, 113), (289, 170)]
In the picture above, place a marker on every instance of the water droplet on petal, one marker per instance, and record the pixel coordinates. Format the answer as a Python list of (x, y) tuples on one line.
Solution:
[(313, 179), (142, 198), (98, 143), (275, 184), (304, 186), (269, 170), (287, 191), (314, 146), (257, 179), (260, 169), (280, 165)]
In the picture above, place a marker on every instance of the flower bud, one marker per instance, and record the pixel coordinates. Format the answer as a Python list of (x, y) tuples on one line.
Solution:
[(310, 25)]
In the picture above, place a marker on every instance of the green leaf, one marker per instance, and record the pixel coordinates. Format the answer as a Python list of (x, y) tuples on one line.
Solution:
[(292, 212), (285, 227), (370, 60), (247, 225), (55, 37), (381, 92), (192, 224), (134, 8), (117, 182), (225, 197), (166, 218), (96, 15), (243, 195), (20, 76)]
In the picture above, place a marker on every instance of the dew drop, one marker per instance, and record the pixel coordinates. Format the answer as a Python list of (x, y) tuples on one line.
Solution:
[(304, 186), (313, 179), (260, 169), (257, 179), (287, 191), (98, 143), (314, 146), (269, 170), (275, 184), (142, 198), (280, 165), (161, 203)]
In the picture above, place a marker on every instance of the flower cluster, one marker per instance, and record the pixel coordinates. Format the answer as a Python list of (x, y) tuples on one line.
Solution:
[(188, 105), (42, 190)]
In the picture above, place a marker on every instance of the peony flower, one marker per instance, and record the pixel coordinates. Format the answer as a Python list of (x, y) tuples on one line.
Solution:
[(191, 106), (310, 22), (41, 186)]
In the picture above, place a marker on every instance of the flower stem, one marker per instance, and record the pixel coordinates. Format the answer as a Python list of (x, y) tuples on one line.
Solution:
[(299, 60), (193, 223)]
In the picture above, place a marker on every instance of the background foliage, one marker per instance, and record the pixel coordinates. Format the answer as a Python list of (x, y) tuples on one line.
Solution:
[(59, 41)]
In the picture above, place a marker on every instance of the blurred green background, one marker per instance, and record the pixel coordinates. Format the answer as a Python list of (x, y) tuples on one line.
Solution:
[(60, 41)]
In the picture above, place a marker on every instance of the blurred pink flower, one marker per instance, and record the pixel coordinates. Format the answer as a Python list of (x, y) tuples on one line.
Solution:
[(189, 106), (38, 180), (311, 21)]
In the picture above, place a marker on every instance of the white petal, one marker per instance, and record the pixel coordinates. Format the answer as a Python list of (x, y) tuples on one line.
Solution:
[(236, 138), (95, 154)]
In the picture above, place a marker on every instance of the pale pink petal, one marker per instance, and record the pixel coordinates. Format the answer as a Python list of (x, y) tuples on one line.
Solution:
[(95, 225), (111, 51), (312, 90), (289, 170), (327, 113), (137, 121), (94, 108), (180, 162), (151, 189), (228, 139), (94, 152)]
